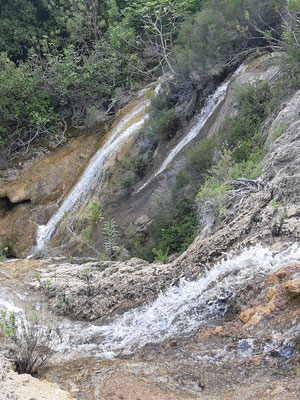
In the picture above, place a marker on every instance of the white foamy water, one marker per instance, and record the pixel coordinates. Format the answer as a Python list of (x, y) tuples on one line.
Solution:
[(183, 309), (177, 312), (95, 172), (212, 103)]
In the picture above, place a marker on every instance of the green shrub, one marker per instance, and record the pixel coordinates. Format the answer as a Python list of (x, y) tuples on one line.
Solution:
[(163, 126), (161, 257), (213, 36), (127, 181), (163, 120), (212, 198), (30, 341), (161, 102), (139, 165), (166, 125), (140, 246), (95, 212), (174, 233), (201, 157), (26, 109), (254, 99), (242, 133), (249, 169)]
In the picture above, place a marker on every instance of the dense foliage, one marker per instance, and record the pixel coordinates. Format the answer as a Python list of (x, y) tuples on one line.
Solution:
[(67, 62), (79, 58)]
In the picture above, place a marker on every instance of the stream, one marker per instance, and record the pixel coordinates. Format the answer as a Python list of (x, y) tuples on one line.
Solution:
[(181, 310)]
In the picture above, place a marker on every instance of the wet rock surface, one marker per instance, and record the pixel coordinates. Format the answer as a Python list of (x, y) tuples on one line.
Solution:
[(103, 289), (247, 349), (251, 355), (31, 193)]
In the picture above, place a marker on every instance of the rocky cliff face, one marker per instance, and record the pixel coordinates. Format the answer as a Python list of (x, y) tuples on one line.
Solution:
[(32, 192)]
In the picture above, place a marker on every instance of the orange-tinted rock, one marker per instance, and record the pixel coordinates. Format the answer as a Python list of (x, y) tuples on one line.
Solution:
[(218, 329), (32, 197), (293, 288), (126, 387)]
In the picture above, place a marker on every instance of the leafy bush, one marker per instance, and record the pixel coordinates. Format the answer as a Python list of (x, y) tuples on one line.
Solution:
[(139, 166), (166, 125), (201, 157), (31, 344), (241, 133), (174, 233), (95, 212), (211, 38), (212, 198), (163, 120), (27, 111)]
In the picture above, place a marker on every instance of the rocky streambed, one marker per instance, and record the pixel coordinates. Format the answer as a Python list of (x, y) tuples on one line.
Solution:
[(230, 331)]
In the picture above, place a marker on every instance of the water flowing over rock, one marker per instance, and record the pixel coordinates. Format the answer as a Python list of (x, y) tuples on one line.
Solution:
[(30, 195), (230, 333), (42, 192), (94, 174), (211, 105)]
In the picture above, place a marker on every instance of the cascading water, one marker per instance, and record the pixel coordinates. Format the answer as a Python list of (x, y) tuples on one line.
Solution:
[(185, 308), (179, 311), (96, 170), (212, 103)]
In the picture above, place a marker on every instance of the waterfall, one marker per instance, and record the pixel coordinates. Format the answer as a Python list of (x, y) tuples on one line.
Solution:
[(96, 169), (212, 103)]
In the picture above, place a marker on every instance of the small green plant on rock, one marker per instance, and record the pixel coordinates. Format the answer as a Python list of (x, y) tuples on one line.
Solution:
[(274, 203), (277, 227), (110, 237), (161, 256), (282, 128), (64, 302), (86, 275), (3, 254), (45, 286)]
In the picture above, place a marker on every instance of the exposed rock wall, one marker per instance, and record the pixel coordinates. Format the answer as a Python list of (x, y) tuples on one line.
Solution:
[(30, 194)]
